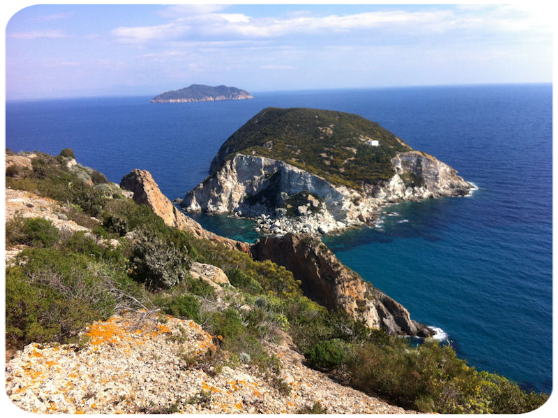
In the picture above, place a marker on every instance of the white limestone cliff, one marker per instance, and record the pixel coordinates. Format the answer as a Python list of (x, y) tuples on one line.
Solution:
[(265, 189)]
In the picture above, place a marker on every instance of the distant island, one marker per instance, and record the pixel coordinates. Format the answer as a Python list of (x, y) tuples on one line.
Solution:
[(201, 93)]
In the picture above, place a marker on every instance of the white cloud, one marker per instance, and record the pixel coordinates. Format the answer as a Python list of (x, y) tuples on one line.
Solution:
[(181, 10), (202, 23), (38, 34), (143, 34), (55, 16)]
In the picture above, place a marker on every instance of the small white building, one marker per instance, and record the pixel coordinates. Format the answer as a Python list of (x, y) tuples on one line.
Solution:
[(373, 143)]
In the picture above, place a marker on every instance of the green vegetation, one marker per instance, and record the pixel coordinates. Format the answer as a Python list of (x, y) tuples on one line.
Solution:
[(68, 153), (36, 232), (62, 282), (327, 143)]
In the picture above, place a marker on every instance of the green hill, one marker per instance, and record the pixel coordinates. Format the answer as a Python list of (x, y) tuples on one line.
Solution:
[(331, 144)]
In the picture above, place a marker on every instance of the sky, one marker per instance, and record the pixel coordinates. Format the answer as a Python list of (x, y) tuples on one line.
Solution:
[(55, 51)]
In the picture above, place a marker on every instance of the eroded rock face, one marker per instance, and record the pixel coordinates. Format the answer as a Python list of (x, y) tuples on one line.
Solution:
[(330, 283), (147, 192), (259, 187)]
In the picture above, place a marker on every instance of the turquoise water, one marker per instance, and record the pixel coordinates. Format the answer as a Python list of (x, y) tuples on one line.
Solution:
[(478, 267)]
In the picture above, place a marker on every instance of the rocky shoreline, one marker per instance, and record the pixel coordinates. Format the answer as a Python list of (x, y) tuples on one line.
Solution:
[(284, 199)]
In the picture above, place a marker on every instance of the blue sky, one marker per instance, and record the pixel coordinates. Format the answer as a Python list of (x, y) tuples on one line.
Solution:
[(98, 50)]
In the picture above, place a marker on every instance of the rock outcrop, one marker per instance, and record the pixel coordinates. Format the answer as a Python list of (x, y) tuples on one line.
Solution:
[(210, 274), (146, 192), (330, 283), (266, 189)]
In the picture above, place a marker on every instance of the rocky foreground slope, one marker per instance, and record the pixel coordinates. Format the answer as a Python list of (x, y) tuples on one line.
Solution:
[(141, 363), (315, 171)]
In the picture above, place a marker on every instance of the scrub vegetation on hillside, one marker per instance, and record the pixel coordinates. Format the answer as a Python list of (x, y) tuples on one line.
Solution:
[(61, 282), (334, 145)]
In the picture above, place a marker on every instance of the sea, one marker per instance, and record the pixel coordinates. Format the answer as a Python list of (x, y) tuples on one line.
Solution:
[(478, 268)]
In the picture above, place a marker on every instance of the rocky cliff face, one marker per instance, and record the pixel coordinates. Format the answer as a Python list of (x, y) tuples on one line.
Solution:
[(271, 190), (147, 192), (330, 283)]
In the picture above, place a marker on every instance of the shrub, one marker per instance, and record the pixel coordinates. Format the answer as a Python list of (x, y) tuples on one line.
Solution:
[(156, 263), (98, 178), (13, 171), (41, 232), (199, 287), (326, 355), (68, 153), (116, 224), (227, 323), (242, 281), (87, 197), (55, 293), (184, 306), (35, 232)]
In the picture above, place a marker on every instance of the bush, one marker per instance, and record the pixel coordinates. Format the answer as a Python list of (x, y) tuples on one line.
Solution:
[(98, 178), (242, 281), (227, 324), (116, 224), (326, 355), (91, 200), (40, 232), (184, 306), (56, 293), (317, 408), (68, 153), (13, 171), (35, 232), (158, 264)]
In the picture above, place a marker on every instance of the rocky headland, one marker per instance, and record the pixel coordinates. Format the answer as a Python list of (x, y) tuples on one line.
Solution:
[(202, 93), (332, 284), (323, 277), (316, 171)]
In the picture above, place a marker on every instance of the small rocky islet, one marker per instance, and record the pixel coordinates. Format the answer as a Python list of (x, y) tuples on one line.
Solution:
[(313, 171), (202, 93)]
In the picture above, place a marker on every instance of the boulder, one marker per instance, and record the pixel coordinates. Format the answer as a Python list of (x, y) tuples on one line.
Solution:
[(210, 274)]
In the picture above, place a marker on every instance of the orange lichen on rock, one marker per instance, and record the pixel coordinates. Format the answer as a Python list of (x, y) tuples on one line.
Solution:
[(105, 332)]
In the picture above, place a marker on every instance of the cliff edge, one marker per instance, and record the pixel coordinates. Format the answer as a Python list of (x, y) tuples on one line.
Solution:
[(335, 286)]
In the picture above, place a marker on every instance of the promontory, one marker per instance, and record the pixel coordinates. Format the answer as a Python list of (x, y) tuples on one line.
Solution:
[(316, 171), (202, 93)]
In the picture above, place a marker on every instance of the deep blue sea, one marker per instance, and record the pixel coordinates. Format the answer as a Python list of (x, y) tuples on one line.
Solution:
[(479, 267)]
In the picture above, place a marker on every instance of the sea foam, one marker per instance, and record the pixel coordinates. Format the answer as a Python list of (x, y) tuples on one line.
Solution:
[(440, 335)]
